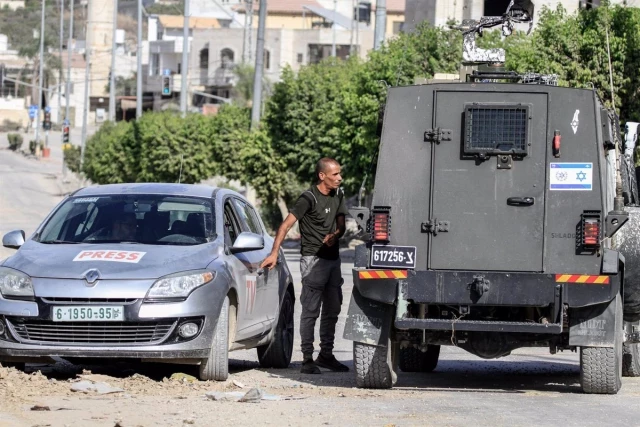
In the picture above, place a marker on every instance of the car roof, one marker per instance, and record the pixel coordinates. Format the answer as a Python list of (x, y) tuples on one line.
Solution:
[(195, 190)]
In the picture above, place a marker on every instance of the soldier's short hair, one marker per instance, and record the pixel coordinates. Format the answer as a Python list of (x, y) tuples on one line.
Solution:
[(323, 165)]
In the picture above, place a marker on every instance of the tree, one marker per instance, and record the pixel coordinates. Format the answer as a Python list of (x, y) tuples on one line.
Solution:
[(112, 154), (333, 108)]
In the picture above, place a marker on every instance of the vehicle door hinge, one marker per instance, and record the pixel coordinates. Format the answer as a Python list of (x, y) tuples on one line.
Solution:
[(436, 135), (434, 227)]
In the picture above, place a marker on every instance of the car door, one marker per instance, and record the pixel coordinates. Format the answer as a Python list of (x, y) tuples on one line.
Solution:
[(267, 293), (244, 268)]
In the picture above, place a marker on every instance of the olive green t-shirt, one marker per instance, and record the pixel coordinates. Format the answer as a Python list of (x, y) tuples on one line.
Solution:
[(317, 216)]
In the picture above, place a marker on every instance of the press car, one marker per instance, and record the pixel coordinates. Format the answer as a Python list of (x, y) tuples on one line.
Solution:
[(154, 272)]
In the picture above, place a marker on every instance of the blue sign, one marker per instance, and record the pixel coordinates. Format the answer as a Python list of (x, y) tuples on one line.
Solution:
[(33, 111), (166, 72), (47, 109)]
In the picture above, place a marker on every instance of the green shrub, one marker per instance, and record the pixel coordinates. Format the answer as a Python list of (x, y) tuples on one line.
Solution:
[(72, 158)]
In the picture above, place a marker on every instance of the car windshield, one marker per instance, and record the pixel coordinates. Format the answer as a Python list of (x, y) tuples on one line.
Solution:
[(145, 219)]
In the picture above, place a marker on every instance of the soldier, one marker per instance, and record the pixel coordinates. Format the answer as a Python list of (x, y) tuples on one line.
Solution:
[(321, 211)]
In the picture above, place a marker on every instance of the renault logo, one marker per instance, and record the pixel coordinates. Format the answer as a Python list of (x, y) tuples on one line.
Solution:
[(91, 276)]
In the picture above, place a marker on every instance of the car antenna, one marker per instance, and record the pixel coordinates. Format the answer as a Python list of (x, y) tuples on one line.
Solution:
[(181, 160)]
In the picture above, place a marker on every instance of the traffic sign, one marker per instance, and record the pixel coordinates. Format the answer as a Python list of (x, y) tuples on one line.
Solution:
[(33, 111)]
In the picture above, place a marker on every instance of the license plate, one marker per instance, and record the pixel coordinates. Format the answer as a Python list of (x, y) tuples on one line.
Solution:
[(393, 256), (96, 313)]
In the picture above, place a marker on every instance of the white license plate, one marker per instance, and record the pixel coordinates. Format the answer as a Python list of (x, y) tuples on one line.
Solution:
[(393, 256), (83, 313)]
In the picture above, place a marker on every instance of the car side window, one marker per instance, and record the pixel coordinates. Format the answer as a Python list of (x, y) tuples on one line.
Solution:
[(231, 227), (249, 216)]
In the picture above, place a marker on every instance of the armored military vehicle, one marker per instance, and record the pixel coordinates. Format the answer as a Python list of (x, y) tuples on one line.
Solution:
[(497, 222)]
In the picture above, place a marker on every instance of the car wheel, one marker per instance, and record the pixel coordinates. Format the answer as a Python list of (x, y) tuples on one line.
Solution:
[(216, 366), (375, 365), (414, 360), (630, 356), (601, 367), (18, 365), (277, 354)]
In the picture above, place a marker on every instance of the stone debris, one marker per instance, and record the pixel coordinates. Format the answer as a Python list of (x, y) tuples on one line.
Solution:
[(94, 387)]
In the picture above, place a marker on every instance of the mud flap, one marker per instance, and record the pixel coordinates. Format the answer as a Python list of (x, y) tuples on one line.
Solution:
[(596, 326), (368, 321)]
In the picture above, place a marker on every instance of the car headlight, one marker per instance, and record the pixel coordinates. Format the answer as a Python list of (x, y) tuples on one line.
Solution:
[(179, 285), (14, 283)]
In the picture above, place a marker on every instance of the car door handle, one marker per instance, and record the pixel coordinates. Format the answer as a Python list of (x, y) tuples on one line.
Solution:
[(520, 201)]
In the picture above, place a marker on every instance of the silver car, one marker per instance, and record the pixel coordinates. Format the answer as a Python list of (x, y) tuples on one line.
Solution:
[(154, 272)]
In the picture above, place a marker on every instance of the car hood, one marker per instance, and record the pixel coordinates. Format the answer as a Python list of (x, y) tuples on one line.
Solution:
[(113, 261)]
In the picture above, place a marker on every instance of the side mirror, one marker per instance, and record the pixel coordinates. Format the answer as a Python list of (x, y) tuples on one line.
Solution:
[(13, 239), (247, 242)]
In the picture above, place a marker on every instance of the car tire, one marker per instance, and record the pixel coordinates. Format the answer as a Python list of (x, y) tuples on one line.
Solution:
[(601, 367), (375, 366), (630, 356), (277, 354), (414, 360), (216, 366), (20, 366)]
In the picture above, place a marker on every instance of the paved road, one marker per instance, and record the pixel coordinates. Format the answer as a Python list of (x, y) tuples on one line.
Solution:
[(528, 388)]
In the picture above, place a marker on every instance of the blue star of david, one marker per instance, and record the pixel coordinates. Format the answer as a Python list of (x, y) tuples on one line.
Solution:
[(581, 176)]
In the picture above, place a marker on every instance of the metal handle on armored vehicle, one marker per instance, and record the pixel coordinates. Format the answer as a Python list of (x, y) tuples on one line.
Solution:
[(520, 201)]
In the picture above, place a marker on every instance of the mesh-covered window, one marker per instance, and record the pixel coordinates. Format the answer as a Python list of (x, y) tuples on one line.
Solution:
[(496, 129)]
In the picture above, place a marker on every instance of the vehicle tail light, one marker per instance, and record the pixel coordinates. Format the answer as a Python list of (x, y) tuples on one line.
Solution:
[(591, 230), (381, 224), (557, 138)]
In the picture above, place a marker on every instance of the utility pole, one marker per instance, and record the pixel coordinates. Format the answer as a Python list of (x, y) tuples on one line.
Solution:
[(353, 11), (40, 82), (184, 71), (250, 35), (246, 35), (112, 75), (86, 105), (358, 28), (139, 68), (381, 24), (69, 52), (333, 28), (60, 73), (257, 77)]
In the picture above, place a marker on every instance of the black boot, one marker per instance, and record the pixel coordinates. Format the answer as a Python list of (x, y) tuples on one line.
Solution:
[(309, 366), (330, 362)]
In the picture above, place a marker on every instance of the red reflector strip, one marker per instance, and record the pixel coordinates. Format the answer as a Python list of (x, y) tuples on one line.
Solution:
[(383, 274), (581, 278)]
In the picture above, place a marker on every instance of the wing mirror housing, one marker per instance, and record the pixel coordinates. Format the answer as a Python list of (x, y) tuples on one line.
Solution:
[(13, 239), (247, 241)]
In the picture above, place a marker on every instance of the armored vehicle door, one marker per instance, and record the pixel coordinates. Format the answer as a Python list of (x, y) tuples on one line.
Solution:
[(488, 182)]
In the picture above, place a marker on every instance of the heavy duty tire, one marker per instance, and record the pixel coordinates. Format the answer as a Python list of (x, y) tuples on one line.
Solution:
[(216, 366), (413, 360), (277, 354), (375, 365), (630, 357), (601, 367)]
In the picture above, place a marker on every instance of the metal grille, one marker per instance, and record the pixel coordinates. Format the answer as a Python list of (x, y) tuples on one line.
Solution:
[(58, 300), (496, 129), (92, 333)]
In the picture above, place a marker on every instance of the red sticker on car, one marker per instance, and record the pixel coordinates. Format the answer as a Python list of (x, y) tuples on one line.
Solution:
[(113, 256)]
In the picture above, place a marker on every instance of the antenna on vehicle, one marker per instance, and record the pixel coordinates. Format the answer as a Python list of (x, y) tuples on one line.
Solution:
[(181, 161)]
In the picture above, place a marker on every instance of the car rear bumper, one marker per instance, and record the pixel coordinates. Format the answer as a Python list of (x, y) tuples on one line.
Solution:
[(484, 288)]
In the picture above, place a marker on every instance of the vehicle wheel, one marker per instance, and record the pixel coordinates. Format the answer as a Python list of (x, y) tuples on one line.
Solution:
[(601, 367), (630, 356), (216, 366), (414, 360), (277, 354), (375, 365), (18, 365)]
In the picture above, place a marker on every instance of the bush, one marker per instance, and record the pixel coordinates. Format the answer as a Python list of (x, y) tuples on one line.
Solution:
[(15, 141), (72, 158)]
